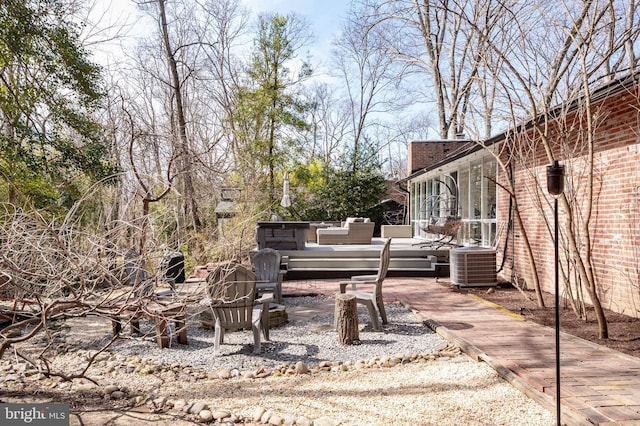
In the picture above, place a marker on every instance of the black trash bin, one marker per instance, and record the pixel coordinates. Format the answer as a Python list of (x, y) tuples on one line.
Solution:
[(172, 268)]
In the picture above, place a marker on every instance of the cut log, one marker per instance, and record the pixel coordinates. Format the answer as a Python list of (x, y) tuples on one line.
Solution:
[(347, 319)]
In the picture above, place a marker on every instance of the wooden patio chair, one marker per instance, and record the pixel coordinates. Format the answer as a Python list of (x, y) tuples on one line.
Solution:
[(371, 298), (231, 292), (266, 266)]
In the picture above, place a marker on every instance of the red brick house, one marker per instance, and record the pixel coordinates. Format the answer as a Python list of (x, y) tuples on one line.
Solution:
[(470, 174)]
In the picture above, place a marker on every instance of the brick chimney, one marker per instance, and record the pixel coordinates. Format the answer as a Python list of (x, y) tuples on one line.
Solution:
[(426, 153)]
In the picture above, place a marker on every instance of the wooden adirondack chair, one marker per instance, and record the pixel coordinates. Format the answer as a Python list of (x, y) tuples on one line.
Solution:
[(266, 266), (231, 292), (371, 298)]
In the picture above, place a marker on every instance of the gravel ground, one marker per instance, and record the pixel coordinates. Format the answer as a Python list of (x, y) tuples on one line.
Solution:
[(308, 337), (338, 388)]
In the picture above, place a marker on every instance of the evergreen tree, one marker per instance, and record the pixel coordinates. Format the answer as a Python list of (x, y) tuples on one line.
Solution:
[(269, 110), (347, 191), (50, 147)]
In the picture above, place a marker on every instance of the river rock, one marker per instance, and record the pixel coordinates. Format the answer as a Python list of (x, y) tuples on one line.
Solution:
[(289, 419), (303, 421), (117, 395), (276, 420), (85, 387), (221, 414), (160, 401), (266, 416), (197, 407), (257, 414), (110, 389), (301, 368), (205, 416), (179, 404), (224, 374)]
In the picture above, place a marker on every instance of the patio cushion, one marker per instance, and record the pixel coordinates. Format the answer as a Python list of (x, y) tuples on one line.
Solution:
[(350, 233), (333, 231), (356, 220)]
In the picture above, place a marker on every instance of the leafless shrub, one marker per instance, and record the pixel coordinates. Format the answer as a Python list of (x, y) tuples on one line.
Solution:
[(56, 269)]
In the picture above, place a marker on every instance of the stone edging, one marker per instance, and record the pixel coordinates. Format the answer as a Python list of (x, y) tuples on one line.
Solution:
[(202, 412)]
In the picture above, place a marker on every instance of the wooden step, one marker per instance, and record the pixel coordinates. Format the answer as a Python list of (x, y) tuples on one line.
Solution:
[(357, 253), (315, 273), (317, 261), (358, 263), (356, 271)]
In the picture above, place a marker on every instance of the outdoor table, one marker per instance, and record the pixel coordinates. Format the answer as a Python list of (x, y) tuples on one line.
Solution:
[(282, 235), (159, 314)]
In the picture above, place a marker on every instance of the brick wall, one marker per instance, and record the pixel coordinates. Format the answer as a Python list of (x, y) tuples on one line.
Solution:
[(426, 153), (615, 222)]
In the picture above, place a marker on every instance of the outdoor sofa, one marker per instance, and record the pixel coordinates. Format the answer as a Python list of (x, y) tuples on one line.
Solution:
[(353, 231)]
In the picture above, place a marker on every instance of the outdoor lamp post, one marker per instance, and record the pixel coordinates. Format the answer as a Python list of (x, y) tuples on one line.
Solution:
[(555, 187), (555, 178)]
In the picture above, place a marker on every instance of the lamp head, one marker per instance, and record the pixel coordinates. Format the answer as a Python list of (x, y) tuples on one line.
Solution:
[(555, 178)]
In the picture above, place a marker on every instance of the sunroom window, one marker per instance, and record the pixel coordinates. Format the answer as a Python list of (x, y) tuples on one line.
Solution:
[(479, 202), (473, 185)]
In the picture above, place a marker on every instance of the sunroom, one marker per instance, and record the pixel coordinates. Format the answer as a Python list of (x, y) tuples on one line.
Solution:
[(461, 189)]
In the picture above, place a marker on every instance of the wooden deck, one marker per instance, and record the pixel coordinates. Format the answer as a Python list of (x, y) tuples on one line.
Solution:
[(337, 261)]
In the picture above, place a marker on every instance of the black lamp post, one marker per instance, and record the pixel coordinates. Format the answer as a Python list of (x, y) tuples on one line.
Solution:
[(555, 178), (555, 187)]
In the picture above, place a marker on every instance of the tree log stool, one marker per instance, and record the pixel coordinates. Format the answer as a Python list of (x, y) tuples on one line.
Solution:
[(347, 319)]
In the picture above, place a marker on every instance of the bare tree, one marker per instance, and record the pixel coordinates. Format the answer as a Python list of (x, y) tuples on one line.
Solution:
[(224, 33), (179, 102), (372, 80), (183, 147), (72, 267), (574, 49), (443, 44), (56, 270), (329, 124)]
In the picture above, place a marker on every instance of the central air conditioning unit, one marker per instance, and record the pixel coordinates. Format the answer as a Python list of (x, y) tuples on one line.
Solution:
[(473, 267)]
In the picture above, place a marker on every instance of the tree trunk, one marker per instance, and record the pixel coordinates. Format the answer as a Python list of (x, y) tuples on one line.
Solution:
[(347, 318), (189, 207)]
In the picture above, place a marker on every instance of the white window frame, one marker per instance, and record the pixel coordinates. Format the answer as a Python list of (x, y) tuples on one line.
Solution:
[(479, 231)]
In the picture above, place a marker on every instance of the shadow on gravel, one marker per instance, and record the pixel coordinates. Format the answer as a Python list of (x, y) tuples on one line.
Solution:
[(309, 337)]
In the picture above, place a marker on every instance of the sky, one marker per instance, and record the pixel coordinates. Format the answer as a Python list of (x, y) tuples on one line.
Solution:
[(325, 18)]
